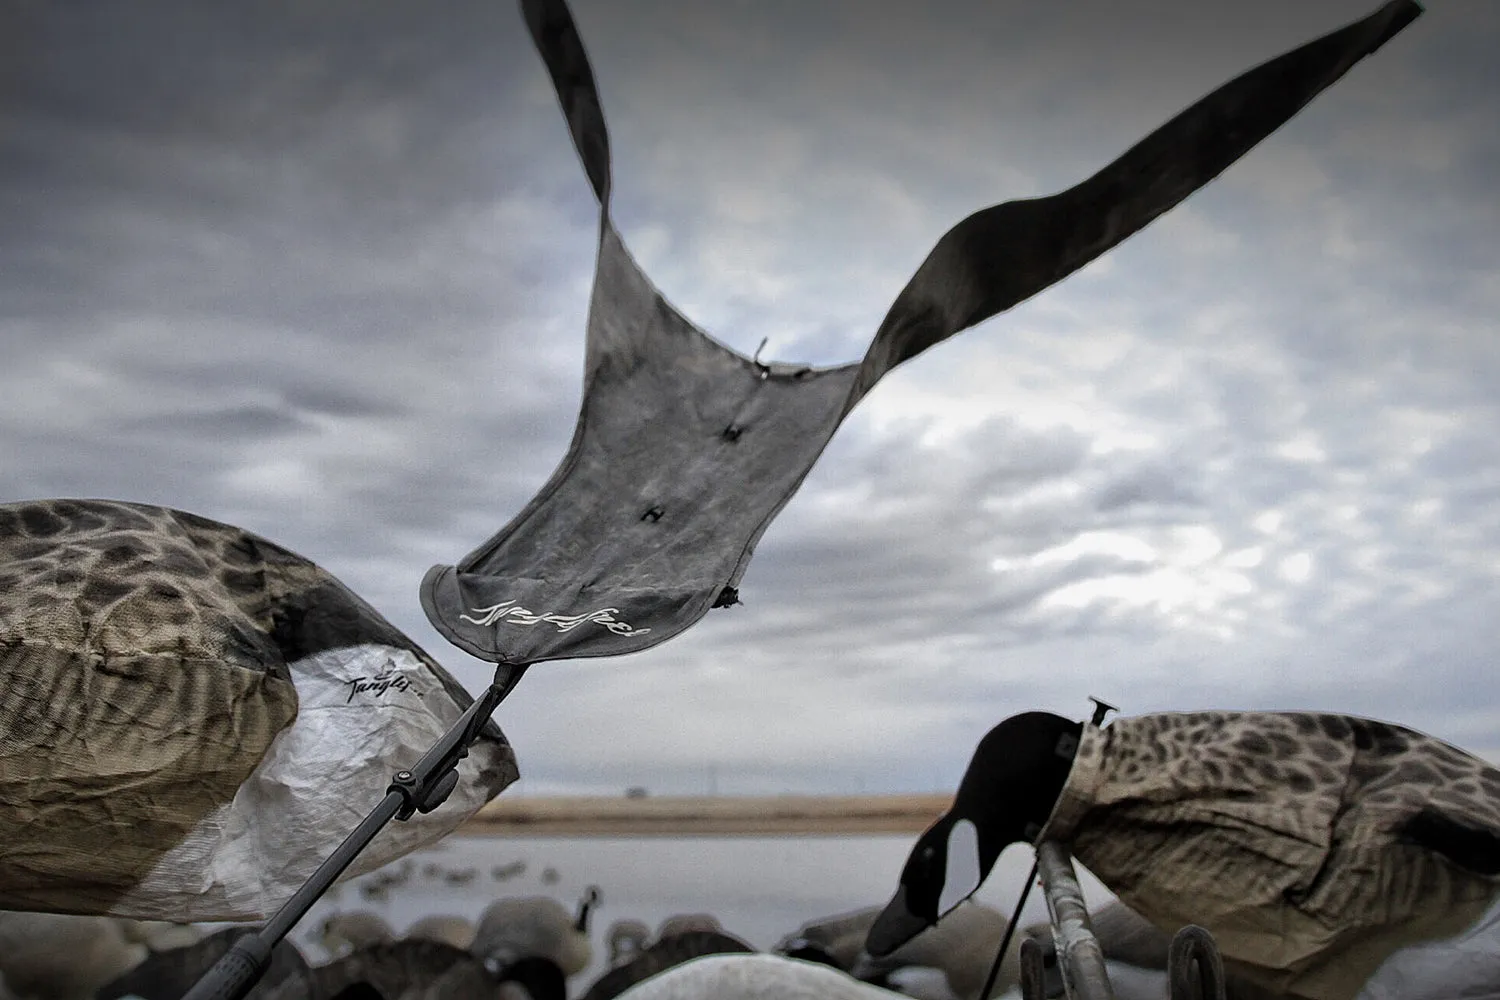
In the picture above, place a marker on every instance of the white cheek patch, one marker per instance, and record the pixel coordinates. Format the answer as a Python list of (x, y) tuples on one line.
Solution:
[(962, 875)]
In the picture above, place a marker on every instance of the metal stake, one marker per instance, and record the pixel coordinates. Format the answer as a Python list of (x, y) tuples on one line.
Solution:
[(422, 788), (1079, 957)]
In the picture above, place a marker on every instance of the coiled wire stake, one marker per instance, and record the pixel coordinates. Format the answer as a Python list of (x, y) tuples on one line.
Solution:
[(1195, 969), (1033, 971)]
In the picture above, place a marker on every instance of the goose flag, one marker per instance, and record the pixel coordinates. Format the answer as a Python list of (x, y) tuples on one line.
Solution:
[(684, 450), (193, 717)]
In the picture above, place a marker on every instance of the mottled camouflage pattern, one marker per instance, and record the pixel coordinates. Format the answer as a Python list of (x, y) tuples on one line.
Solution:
[(1288, 835), (143, 675)]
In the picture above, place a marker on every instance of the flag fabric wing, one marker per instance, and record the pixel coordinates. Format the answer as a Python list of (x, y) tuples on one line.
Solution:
[(192, 717), (684, 450)]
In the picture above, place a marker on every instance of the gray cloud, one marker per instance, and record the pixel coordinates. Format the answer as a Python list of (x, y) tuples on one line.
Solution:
[(323, 272)]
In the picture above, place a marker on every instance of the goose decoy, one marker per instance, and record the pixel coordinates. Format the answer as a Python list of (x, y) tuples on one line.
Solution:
[(665, 953), (160, 935), (683, 923), (53, 956), (626, 938), (342, 933), (391, 877), (1311, 845), (962, 948), (427, 970), (759, 976), (169, 974), (520, 927), (537, 979), (586, 905), (244, 693), (836, 940), (456, 931)]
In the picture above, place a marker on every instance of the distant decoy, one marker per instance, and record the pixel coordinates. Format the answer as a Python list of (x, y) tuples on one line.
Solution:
[(342, 933), (456, 931), (161, 935), (586, 906), (682, 923), (662, 955), (520, 927), (426, 970), (53, 956), (836, 940), (626, 939), (962, 947), (1311, 845), (168, 974)]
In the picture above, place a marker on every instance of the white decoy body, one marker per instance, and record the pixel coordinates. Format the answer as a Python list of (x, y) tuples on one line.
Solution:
[(754, 977), (627, 938), (343, 933), (962, 947), (54, 956)]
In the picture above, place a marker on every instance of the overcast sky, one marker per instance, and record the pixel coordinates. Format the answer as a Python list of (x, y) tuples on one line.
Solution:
[(322, 270)]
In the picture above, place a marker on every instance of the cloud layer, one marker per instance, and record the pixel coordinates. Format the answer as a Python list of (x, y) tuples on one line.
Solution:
[(323, 272)]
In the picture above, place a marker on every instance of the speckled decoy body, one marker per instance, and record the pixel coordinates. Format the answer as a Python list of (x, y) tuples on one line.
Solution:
[(187, 709), (1312, 845)]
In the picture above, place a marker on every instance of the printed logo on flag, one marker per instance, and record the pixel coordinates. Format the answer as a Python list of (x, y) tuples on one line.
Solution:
[(511, 613), (378, 685)]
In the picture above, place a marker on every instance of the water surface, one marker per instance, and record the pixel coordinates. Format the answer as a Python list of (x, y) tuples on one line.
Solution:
[(760, 888)]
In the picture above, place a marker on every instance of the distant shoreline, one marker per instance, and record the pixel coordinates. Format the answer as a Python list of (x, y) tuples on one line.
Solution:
[(704, 816)]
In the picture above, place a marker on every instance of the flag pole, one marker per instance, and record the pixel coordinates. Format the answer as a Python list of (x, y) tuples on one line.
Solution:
[(422, 788)]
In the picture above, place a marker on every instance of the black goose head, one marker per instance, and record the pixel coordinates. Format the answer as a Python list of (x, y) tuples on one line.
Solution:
[(1013, 781)]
